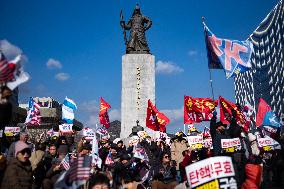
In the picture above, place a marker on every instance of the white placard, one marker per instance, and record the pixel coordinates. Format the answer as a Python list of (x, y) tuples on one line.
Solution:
[(9, 131), (195, 140), (209, 169), (66, 128), (267, 141), (232, 142)]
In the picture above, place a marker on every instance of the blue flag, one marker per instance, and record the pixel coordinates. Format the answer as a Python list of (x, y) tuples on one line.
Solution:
[(270, 119), (231, 55)]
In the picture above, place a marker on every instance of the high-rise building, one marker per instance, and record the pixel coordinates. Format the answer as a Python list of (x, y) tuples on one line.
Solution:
[(266, 78)]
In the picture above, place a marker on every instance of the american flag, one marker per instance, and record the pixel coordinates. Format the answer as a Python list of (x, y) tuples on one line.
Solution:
[(33, 115), (102, 131), (7, 68), (109, 160), (65, 162), (80, 168)]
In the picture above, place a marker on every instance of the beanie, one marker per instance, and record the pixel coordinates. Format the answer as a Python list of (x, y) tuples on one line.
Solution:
[(19, 146)]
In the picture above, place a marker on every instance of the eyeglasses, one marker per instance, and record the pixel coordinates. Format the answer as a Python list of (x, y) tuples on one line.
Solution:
[(166, 156), (24, 151)]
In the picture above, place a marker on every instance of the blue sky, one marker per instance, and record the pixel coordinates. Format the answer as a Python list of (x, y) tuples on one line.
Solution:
[(74, 48)]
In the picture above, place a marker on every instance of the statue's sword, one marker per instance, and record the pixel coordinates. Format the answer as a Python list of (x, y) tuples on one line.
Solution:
[(124, 32)]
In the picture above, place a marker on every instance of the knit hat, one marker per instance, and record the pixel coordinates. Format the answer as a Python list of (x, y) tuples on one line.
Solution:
[(19, 146)]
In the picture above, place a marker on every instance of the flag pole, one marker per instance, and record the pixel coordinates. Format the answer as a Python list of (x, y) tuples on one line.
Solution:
[(211, 83), (210, 75), (184, 128)]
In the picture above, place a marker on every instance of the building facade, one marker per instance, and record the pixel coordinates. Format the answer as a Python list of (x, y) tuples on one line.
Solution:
[(266, 78)]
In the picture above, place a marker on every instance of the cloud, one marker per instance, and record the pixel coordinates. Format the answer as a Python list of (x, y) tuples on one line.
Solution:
[(52, 63), (175, 115), (192, 53), (167, 67), (115, 115), (62, 76), (92, 109)]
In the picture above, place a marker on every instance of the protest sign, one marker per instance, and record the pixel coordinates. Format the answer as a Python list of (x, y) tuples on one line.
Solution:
[(195, 142), (66, 128), (231, 145), (12, 131), (214, 172)]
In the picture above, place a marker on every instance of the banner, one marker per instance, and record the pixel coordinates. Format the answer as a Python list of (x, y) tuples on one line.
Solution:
[(156, 120), (12, 131), (195, 142), (214, 172), (68, 108), (198, 109), (231, 145)]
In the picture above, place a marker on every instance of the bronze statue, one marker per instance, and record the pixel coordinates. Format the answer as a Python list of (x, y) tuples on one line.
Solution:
[(138, 24)]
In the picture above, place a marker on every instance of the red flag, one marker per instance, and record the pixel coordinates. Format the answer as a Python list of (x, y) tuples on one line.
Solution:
[(156, 120), (263, 107), (226, 113), (198, 109), (103, 116)]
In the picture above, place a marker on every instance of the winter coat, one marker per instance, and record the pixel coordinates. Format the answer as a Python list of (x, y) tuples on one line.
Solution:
[(165, 174), (36, 158), (177, 148), (18, 175), (253, 176)]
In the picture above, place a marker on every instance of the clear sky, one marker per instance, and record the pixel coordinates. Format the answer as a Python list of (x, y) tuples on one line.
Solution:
[(74, 48)]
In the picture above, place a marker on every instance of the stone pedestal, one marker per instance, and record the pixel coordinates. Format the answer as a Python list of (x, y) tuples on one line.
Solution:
[(138, 85)]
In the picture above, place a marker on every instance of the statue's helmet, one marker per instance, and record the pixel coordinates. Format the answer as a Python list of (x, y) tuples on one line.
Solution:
[(136, 10)]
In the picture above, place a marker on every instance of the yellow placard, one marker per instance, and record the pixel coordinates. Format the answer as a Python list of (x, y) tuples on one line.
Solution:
[(266, 148), (197, 146), (230, 150), (210, 185)]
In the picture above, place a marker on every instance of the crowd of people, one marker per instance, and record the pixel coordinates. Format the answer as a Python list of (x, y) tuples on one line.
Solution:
[(141, 161)]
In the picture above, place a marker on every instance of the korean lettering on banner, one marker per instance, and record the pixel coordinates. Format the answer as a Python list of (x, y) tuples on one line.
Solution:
[(207, 143), (66, 128), (267, 143), (231, 145), (88, 134), (195, 141), (11, 131), (214, 172)]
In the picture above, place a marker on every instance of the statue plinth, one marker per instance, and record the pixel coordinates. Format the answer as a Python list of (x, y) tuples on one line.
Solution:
[(138, 85)]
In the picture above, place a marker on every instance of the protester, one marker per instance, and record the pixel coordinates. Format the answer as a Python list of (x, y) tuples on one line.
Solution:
[(18, 174)]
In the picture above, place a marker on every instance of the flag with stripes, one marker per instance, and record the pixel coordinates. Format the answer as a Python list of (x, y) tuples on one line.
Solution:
[(109, 160), (7, 68), (80, 168), (102, 131), (33, 114), (65, 162)]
